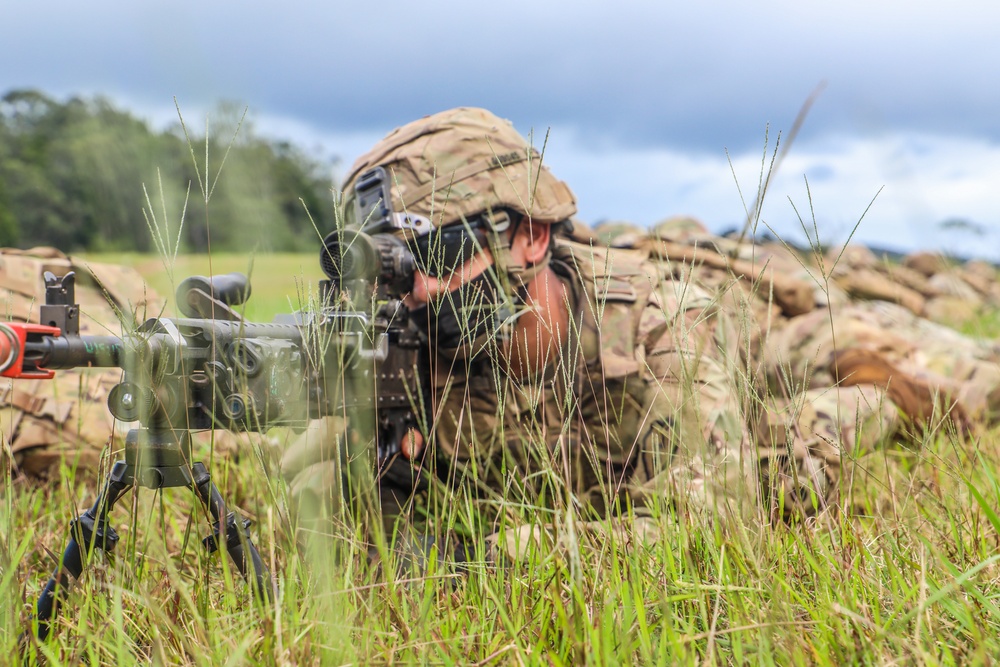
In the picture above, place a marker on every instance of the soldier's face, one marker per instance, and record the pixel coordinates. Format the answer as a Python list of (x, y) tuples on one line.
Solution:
[(429, 288), (528, 245)]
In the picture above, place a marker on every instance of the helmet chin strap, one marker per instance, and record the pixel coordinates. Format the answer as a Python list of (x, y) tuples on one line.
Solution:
[(518, 274)]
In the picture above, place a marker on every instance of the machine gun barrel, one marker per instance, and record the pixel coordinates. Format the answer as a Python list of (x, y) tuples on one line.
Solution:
[(30, 350), (58, 352), (34, 350)]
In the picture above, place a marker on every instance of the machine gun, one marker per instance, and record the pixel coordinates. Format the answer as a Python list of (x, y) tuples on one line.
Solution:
[(213, 370)]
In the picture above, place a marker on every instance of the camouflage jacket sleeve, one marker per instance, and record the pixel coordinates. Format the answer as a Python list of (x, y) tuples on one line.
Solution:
[(693, 443)]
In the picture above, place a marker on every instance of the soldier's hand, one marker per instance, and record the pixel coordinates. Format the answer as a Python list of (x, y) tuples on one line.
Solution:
[(412, 445), (313, 467)]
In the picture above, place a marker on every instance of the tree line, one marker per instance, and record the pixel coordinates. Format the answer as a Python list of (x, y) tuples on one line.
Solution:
[(85, 175)]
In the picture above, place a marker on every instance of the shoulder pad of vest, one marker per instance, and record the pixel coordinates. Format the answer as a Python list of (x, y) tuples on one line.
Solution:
[(600, 260), (611, 273)]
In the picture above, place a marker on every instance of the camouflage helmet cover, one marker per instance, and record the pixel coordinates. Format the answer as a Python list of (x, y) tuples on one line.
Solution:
[(460, 163), (619, 233), (678, 228)]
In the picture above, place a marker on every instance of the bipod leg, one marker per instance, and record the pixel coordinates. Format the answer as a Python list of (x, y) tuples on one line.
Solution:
[(231, 531), (88, 531)]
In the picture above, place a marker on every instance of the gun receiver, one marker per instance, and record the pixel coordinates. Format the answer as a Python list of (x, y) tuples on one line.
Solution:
[(223, 372)]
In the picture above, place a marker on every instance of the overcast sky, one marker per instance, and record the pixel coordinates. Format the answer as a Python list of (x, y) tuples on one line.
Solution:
[(652, 108)]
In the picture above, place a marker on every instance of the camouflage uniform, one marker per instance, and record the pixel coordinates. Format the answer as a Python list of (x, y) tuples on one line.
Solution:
[(649, 401), (801, 355), (862, 276), (925, 283), (45, 423), (843, 375), (888, 312), (957, 293), (641, 403), (642, 374)]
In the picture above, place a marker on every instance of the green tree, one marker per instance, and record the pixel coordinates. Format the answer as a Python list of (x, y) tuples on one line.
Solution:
[(76, 175)]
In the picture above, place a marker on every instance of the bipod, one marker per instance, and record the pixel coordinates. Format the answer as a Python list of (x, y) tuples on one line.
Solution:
[(155, 459)]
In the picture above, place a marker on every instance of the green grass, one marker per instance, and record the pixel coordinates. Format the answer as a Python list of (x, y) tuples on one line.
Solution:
[(908, 576), (986, 325), (278, 281), (914, 582)]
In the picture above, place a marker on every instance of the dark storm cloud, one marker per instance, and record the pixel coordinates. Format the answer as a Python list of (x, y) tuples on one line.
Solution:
[(642, 97), (702, 76)]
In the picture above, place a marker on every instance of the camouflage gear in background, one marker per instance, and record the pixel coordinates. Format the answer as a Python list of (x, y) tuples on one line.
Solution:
[(618, 234), (46, 422), (678, 228), (796, 281), (905, 372), (925, 283), (800, 355)]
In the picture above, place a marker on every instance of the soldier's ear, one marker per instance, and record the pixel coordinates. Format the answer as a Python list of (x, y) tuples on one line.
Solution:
[(532, 239)]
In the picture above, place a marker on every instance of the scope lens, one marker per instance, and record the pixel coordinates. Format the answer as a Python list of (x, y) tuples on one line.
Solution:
[(349, 255), (381, 258)]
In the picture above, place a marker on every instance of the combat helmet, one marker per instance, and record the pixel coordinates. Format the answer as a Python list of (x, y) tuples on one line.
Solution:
[(455, 166), (678, 228), (619, 233)]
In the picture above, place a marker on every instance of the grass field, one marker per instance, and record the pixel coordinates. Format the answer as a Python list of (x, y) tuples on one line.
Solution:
[(908, 573), (278, 281)]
